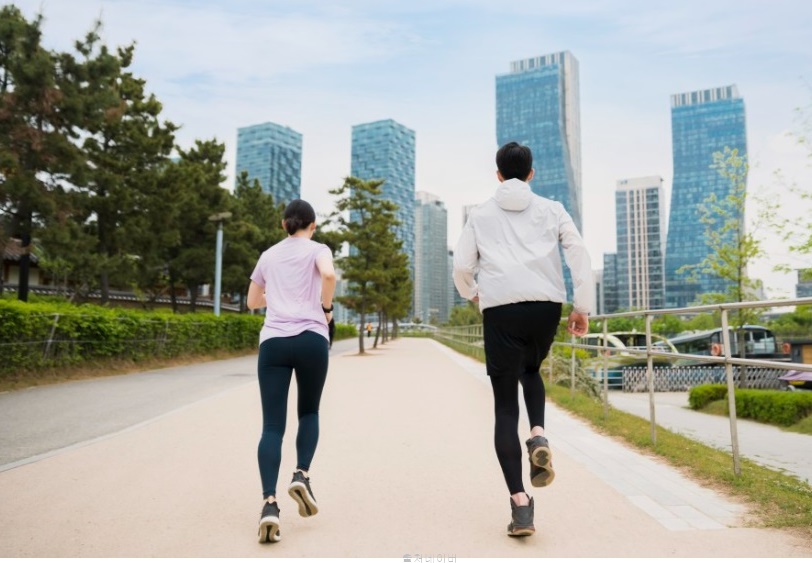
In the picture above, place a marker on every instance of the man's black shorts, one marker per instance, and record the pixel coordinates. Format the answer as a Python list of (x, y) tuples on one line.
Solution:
[(518, 336)]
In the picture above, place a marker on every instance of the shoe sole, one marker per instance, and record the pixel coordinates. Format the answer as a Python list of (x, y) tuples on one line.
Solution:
[(519, 532), (269, 530), (542, 458), (307, 504)]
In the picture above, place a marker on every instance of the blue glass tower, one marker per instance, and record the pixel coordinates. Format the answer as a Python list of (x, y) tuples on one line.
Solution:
[(272, 154), (431, 282), (385, 150), (537, 105), (702, 123), (639, 262)]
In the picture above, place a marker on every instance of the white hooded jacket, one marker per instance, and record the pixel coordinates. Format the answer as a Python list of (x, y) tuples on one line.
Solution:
[(509, 251)]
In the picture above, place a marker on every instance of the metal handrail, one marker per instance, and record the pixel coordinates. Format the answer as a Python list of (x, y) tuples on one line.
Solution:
[(651, 352)]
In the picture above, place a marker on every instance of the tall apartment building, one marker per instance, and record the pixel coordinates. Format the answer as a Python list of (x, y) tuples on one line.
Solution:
[(640, 261), (431, 281), (702, 123), (385, 150), (538, 105), (609, 280), (272, 154), (804, 286)]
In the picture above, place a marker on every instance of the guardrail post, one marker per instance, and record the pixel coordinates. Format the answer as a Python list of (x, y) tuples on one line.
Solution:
[(50, 338), (650, 378), (731, 395), (605, 354), (572, 366)]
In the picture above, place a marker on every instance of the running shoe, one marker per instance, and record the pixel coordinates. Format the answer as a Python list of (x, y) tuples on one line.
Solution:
[(300, 490), (521, 521), (541, 463), (269, 523)]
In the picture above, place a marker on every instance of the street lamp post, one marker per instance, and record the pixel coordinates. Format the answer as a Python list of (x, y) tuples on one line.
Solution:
[(218, 261)]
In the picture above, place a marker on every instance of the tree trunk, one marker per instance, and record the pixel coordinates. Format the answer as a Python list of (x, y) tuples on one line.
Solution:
[(104, 281), (193, 299), (172, 297), (378, 331), (363, 327)]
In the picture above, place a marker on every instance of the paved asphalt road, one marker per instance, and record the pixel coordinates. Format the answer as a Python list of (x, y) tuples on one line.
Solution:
[(40, 421)]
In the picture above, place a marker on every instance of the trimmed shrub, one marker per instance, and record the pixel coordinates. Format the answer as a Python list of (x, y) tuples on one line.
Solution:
[(701, 395), (43, 335), (345, 331), (778, 407)]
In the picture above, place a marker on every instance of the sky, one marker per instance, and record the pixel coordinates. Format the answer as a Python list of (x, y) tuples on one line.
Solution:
[(321, 67)]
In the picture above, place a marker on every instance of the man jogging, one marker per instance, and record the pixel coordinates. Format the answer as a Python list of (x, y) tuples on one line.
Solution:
[(508, 260)]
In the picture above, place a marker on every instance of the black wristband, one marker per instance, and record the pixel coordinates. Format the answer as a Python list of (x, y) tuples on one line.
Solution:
[(326, 310)]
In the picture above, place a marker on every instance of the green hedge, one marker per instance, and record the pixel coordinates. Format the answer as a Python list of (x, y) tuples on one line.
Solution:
[(43, 335), (775, 407), (701, 395), (345, 331)]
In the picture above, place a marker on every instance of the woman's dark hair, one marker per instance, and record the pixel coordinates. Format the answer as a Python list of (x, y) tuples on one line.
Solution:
[(298, 215), (514, 161)]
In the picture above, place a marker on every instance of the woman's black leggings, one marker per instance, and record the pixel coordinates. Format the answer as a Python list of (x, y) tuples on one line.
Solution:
[(307, 354)]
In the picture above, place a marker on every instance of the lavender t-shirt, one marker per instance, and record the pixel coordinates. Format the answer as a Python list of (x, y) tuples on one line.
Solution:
[(292, 283)]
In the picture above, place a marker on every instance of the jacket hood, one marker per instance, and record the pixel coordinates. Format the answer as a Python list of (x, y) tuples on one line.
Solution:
[(513, 195)]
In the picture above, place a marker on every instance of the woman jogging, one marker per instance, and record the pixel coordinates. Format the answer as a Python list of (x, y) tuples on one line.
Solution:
[(295, 281)]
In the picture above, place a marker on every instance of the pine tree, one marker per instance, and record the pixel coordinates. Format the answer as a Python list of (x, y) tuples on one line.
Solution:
[(36, 126), (366, 222)]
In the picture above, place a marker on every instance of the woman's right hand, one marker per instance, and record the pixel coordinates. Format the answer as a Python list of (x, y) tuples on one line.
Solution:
[(328, 316)]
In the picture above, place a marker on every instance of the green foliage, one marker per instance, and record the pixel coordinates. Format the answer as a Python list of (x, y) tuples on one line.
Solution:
[(778, 407), (701, 395), (345, 331), (255, 226), (465, 315), (797, 323), (42, 335), (732, 248)]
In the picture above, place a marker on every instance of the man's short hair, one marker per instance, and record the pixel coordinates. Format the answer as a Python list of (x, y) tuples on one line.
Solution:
[(514, 161)]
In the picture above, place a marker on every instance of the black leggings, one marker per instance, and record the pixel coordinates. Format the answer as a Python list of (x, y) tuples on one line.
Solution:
[(307, 354), (517, 339), (506, 408)]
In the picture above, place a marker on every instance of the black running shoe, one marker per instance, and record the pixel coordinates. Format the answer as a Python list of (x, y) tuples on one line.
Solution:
[(541, 461), (269, 523), (521, 521), (300, 490)]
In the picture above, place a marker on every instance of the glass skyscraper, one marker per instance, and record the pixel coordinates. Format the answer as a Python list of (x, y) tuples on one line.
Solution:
[(385, 150), (272, 154), (431, 281), (639, 262), (702, 123), (610, 282), (537, 105)]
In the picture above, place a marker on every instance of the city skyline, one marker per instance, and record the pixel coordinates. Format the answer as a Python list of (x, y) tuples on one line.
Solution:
[(319, 69)]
